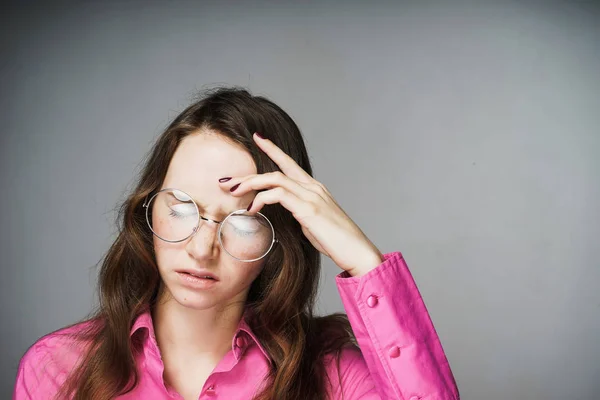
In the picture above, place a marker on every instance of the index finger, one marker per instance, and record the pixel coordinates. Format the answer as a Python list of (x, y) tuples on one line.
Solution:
[(286, 163)]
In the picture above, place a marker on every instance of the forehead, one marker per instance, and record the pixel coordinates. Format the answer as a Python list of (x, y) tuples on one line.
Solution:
[(201, 160)]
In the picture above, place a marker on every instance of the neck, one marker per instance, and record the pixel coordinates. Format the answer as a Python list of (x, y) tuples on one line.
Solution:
[(206, 333)]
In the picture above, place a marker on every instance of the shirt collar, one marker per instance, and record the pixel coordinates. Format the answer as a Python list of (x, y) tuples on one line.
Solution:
[(144, 321), (244, 327)]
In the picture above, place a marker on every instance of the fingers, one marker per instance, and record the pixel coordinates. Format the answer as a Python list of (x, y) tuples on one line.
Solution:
[(299, 208), (270, 180), (287, 186), (286, 163)]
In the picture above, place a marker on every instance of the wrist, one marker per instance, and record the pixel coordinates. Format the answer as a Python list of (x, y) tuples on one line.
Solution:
[(370, 262)]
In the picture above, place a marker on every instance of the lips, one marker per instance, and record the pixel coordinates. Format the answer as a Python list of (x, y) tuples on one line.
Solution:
[(199, 274)]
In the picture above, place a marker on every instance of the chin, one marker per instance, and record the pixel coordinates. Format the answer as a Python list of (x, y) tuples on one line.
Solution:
[(196, 301)]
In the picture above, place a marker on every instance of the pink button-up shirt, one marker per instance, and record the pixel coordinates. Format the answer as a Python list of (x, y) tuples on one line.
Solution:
[(400, 353)]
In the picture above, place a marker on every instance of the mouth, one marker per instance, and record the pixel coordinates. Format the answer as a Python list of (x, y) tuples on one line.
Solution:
[(199, 276)]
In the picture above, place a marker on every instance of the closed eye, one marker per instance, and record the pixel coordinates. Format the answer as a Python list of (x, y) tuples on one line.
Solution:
[(182, 210)]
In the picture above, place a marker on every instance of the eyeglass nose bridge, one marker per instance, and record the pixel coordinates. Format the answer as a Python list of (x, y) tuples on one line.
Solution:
[(208, 219), (202, 218)]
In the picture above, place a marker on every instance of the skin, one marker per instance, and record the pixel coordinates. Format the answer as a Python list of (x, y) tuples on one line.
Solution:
[(194, 327)]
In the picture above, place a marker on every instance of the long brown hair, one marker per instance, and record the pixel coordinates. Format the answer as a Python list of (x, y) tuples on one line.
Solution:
[(281, 300)]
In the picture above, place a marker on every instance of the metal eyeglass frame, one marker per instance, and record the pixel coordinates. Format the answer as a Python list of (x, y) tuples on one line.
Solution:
[(201, 217)]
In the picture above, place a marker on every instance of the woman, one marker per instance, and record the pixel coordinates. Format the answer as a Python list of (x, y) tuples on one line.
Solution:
[(209, 289)]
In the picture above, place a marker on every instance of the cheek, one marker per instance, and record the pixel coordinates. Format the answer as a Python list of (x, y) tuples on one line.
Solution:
[(163, 225), (164, 252), (159, 249), (248, 272)]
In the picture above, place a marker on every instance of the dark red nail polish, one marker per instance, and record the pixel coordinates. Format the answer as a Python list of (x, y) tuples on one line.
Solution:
[(222, 180), (234, 187), (250, 206), (259, 135)]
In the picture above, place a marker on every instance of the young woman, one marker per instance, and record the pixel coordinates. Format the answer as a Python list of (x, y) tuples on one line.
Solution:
[(209, 289)]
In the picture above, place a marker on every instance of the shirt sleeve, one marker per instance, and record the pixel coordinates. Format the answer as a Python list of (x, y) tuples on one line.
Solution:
[(21, 390), (397, 339), (350, 379), (39, 375), (31, 381)]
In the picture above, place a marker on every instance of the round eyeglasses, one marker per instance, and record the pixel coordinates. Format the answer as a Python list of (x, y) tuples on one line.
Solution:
[(173, 216)]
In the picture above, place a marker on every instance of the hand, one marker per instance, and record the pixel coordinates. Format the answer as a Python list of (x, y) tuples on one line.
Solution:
[(324, 223)]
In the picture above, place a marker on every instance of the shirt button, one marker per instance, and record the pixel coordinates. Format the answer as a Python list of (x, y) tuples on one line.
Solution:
[(372, 301), (210, 391), (395, 353), (240, 342)]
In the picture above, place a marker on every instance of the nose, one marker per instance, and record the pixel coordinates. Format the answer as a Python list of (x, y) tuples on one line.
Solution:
[(204, 244)]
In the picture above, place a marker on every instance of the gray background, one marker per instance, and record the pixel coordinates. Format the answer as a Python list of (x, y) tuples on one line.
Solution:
[(463, 134)]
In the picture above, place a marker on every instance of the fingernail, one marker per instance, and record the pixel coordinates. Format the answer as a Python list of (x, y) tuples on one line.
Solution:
[(250, 206), (259, 135), (222, 180), (234, 187)]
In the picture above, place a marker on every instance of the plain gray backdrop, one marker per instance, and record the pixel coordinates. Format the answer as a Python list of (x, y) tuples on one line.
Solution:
[(464, 134)]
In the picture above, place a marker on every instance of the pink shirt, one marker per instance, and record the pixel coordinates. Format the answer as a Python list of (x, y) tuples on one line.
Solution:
[(400, 353)]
